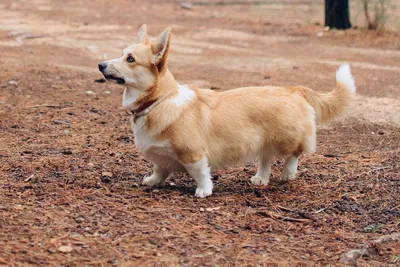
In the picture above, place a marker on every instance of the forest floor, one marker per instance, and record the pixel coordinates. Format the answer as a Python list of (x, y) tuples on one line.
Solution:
[(70, 174)]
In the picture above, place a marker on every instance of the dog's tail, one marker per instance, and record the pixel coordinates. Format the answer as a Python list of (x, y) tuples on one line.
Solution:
[(333, 103)]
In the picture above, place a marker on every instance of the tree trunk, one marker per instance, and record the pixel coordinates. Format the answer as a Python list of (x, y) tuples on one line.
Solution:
[(337, 14)]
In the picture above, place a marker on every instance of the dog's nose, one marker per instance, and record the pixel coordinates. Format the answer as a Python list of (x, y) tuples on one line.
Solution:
[(102, 66)]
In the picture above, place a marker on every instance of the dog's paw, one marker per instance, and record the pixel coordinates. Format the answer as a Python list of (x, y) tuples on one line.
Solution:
[(152, 180), (288, 175), (257, 180), (202, 192)]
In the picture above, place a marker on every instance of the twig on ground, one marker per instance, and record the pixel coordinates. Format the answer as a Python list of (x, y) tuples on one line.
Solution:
[(61, 122), (49, 106), (300, 213), (270, 202), (284, 208), (319, 211), (278, 216)]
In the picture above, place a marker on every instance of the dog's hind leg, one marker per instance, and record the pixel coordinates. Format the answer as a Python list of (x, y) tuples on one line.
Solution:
[(200, 172), (158, 177), (308, 145), (264, 170), (290, 168)]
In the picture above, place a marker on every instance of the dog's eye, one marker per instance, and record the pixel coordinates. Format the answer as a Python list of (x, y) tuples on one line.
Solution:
[(130, 59)]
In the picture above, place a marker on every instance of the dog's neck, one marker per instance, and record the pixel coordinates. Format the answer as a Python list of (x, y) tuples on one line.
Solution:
[(133, 98)]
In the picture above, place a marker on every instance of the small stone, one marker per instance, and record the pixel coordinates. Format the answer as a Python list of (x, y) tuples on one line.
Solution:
[(320, 34), (79, 219), (107, 92), (186, 5), (90, 92), (351, 256), (201, 209), (65, 249), (14, 82), (90, 164)]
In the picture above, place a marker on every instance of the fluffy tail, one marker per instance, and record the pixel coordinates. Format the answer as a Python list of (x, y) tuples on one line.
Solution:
[(335, 102)]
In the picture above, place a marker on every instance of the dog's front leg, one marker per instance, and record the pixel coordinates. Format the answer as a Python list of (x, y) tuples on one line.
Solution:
[(158, 177), (200, 172)]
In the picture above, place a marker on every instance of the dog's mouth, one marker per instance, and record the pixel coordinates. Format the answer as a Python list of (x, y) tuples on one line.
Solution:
[(117, 79)]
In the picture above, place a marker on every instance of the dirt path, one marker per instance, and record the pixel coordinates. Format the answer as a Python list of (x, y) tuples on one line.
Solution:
[(69, 170)]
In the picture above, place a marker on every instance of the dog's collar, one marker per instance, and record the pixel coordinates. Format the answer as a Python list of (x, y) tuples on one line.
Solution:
[(145, 108)]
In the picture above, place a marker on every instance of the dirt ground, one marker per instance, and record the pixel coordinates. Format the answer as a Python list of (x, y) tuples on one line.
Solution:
[(70, 174)]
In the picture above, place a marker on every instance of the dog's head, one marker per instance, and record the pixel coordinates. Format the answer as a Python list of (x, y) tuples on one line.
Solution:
[(140, 64)]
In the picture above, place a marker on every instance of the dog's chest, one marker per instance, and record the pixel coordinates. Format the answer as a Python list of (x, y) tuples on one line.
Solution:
[(152, 149)]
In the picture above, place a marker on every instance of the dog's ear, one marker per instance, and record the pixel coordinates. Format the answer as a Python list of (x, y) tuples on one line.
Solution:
[(160, 49), (142, 35)]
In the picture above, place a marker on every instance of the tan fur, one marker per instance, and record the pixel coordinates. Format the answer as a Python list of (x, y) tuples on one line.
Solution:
[(228, 127), (234, 124), (327, 105)]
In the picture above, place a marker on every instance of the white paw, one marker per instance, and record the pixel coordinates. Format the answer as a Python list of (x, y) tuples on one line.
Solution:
[(288, 175), (257, 180), (202, 192), (152, 180)]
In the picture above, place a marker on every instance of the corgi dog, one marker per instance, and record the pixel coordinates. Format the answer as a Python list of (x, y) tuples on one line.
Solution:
[(182, 128)]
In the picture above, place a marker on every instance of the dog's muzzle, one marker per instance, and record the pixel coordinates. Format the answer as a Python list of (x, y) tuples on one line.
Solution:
[(117, 79), (103, 67)]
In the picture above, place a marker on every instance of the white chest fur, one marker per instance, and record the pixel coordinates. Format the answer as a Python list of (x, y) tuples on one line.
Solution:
[(158, 152), (143, 140)]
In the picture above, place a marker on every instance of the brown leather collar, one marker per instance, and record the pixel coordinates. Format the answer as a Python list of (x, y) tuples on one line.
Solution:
[(146, 107), (142, 109)]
